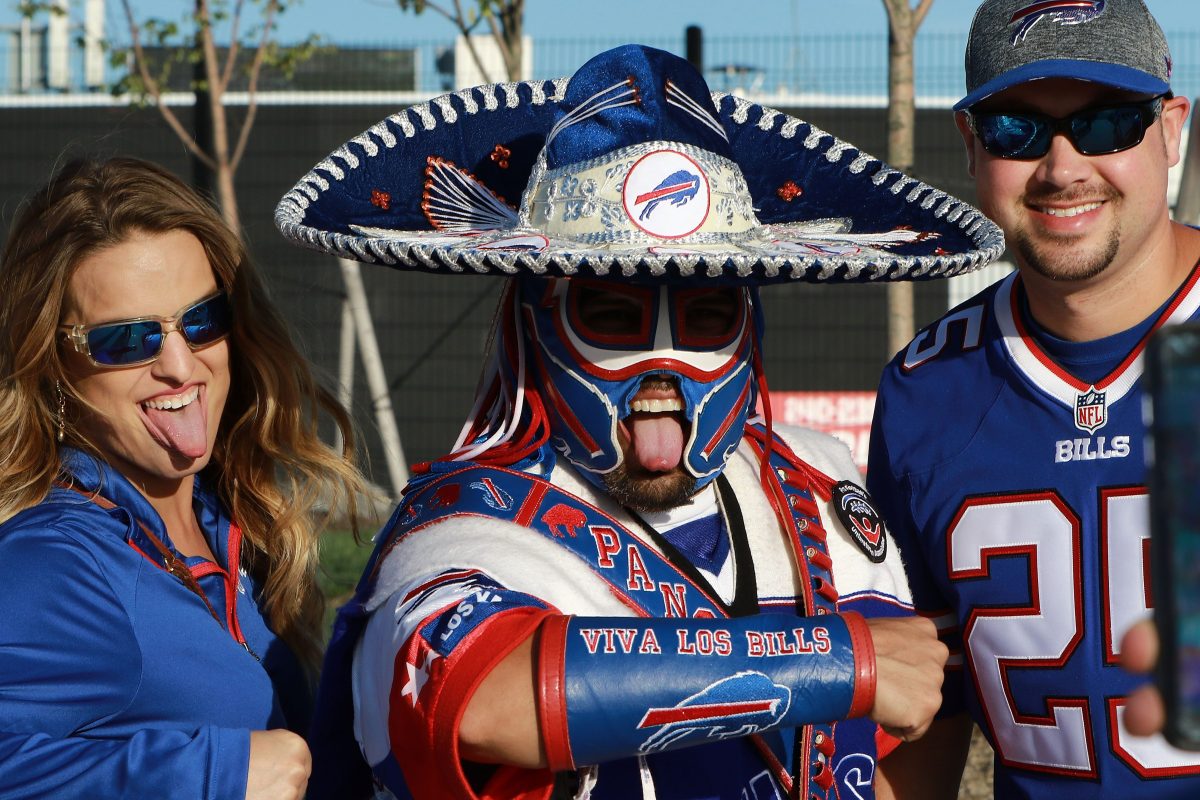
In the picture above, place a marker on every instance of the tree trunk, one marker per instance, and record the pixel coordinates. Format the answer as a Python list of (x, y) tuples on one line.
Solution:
[(219, 134), (903, 22), (512, 25), (202, 173), (226, 196), (901, 97)]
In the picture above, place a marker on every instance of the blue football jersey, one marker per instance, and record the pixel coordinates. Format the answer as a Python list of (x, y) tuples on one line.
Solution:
[(1016, 494)]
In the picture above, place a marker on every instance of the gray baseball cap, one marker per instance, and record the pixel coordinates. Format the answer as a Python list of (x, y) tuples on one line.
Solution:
[(1112, 42)]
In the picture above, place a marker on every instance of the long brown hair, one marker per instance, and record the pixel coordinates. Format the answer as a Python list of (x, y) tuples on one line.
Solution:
[(272, 470)]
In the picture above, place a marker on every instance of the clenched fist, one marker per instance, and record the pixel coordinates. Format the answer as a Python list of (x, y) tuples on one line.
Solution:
[(279, 766), (909, 661)]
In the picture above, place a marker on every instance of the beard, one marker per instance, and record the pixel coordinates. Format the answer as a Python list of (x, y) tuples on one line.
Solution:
[(649, 491), (1057, 260), (1063, 258)]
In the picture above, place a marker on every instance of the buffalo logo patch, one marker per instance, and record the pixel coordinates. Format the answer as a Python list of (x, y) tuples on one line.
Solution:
[(445, 495), (666, 194), (743, 703), (564, 518), (858, 516)]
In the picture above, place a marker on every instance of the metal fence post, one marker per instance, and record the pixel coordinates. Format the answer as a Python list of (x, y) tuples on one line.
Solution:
[(381, 400)]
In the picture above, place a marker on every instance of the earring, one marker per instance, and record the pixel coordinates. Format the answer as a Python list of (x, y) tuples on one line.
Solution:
[(62, 410)]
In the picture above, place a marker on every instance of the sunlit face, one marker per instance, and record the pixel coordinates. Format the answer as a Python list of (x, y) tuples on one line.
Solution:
[(155, 423), (1069, 216)]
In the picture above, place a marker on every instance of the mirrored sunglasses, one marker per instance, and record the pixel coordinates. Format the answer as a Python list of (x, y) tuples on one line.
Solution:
[(130, 342), (1093, 131)]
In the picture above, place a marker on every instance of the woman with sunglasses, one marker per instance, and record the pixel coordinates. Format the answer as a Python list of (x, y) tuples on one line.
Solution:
[(158, 483)]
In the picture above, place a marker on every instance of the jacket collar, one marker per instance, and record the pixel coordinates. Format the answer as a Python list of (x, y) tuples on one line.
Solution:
[(94, 475)]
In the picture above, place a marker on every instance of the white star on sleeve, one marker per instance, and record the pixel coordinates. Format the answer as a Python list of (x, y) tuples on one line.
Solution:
[(417, 677)]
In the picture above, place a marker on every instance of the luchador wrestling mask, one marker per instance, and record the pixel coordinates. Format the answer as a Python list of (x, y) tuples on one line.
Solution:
[(667, 368)]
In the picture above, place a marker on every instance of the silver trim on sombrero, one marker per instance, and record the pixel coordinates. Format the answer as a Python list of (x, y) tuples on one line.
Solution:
[(432, 250)]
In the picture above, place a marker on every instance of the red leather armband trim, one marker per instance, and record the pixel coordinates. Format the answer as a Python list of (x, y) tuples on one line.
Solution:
[(552, 693), (472, 661), (885, 743), (864, 664)]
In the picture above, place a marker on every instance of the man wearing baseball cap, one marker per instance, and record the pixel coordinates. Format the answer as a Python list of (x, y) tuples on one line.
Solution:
[(1022, 514)]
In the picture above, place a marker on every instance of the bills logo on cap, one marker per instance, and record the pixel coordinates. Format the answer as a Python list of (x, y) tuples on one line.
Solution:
[(858, 516), (1064, 12), (666, 194), (1091, 410), (739, 705), (678, 187)]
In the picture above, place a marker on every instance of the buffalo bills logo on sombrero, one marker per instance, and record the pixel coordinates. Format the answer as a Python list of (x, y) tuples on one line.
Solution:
[(666, 194)]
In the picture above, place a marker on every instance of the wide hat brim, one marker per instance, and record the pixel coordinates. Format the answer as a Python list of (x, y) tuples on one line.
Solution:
[(438, 187)]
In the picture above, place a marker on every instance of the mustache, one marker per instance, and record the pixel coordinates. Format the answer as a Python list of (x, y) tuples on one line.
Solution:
[(659, 383), (1072, 196)]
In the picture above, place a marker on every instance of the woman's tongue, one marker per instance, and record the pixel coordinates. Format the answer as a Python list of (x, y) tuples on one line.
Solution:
[(183, 430), (657, 440)]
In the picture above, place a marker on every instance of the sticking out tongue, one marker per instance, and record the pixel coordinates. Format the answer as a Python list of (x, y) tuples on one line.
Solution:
[(183, 430), (657, 440)]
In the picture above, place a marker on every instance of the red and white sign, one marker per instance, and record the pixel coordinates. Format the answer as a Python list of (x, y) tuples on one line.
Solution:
[(846, 415)]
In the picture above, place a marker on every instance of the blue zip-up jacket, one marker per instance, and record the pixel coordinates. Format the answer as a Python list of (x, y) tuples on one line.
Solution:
[(115, 679)]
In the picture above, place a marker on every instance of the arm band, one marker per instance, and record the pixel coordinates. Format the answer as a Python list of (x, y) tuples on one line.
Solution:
[(613, 688)]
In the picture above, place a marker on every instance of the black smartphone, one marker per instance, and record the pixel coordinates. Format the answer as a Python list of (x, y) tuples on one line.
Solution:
[(1172, 414)]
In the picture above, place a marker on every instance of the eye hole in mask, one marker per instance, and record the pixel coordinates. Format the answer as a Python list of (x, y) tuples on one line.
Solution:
[(616, 316), (707, 318), (626, 317)]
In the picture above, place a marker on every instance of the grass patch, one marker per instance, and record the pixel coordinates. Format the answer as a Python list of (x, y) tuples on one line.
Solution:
[(342, 563)]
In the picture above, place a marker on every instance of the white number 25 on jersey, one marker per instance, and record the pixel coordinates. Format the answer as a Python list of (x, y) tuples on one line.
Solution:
[(1044, 634)]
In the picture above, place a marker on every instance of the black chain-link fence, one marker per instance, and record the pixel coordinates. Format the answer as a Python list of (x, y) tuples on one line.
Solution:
[(431, 329)]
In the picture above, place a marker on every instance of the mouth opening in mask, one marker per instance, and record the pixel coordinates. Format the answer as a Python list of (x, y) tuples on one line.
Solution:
[(656, 428), (652, 476)]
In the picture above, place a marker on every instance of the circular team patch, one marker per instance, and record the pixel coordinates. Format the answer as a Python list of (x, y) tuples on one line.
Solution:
[(666, 194), (858, 516)]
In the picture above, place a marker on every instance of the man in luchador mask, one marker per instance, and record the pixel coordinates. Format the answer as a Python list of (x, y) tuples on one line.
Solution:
[(624, 581)]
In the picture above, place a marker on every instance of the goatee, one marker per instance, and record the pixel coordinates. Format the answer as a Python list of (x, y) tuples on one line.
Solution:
[(649, 492)]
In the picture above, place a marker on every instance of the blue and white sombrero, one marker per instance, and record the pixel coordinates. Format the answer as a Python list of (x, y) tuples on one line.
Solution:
[(631, 168)]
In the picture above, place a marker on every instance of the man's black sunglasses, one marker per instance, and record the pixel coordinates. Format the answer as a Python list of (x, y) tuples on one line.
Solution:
[(1093, 131)]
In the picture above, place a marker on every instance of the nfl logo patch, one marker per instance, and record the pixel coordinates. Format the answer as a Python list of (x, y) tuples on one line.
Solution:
[(1091, 412)]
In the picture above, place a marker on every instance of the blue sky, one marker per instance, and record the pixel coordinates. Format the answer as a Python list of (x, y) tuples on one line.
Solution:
[(374, 21), (371, 20)]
